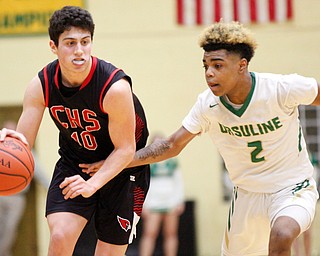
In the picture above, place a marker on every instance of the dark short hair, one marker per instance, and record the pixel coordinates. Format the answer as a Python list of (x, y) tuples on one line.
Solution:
[(244, 50), (67, 17)]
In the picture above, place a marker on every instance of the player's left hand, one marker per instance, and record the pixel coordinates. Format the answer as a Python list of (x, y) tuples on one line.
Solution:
[(74, 186)]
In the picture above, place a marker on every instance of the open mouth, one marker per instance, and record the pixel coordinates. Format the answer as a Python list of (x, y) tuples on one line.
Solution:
[(78, 61)]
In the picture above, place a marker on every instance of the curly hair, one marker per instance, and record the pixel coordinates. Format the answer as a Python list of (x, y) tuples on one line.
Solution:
[(67, 17), (232, 37)]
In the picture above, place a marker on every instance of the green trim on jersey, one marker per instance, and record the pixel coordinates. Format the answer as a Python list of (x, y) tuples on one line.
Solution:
[(240, 111), (300, 135)]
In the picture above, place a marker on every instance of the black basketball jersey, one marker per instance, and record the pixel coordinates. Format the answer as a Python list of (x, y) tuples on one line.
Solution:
[(82, 123)]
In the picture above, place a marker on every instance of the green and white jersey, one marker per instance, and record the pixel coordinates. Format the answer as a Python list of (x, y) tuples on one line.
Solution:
[(261, 142)]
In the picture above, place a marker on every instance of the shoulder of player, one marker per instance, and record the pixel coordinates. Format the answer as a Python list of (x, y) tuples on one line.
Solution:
[(34, 90), (109, 73), (48, 70), (277, 78), (207, 98), (104, 67), (119, 88), (34, 84)]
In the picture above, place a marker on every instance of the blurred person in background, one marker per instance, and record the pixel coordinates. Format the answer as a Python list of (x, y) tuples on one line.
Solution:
[(163, 206), (302, 246)]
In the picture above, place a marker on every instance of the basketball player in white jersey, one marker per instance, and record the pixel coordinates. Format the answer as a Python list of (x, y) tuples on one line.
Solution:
[(252, 118)]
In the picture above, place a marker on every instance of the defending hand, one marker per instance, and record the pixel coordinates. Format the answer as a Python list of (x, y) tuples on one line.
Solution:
[(91, 169)]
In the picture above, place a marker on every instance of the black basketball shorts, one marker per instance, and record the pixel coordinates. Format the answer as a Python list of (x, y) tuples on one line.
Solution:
[(116, 207)]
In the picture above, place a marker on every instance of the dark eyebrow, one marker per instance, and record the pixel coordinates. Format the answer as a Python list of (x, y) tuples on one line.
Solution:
[(214, 59), (71, 38)]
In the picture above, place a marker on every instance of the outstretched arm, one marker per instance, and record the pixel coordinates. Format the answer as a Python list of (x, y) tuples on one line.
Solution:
[(163, 149), (157, 151)]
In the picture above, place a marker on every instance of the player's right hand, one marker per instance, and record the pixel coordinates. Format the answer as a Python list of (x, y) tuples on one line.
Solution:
[(12, 133)]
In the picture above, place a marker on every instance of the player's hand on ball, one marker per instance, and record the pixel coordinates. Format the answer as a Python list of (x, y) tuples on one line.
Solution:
[(91, 169), (12, 133), (74, 186)]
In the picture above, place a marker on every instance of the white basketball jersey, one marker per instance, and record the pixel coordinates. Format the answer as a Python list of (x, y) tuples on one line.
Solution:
[(262, 142)]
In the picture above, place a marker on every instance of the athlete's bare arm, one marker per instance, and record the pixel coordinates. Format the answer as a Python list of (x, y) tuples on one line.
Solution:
[(33, 109), (159, 150), (163, 149), (31, 117), (118, 103)]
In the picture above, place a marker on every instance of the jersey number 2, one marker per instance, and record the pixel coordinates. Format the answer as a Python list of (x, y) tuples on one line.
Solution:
[(257, 145)]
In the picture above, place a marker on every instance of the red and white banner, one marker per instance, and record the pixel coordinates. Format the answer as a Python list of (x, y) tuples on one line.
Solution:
[(204, 12)]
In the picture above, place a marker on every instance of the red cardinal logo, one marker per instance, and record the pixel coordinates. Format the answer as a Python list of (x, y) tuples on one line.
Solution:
[(124, 223)]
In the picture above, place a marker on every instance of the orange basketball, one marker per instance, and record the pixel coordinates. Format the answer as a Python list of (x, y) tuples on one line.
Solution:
[(16, 166)]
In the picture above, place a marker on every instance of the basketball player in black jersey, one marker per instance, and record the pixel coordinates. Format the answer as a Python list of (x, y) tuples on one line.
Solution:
[(99, 118)]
